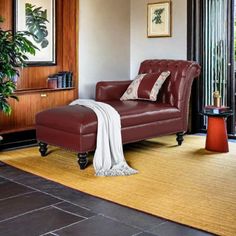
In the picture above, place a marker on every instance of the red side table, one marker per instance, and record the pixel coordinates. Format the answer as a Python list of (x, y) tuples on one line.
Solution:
[(217, 137)]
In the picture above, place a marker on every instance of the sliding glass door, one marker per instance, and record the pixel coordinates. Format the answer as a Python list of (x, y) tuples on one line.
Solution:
[(215, 50), (210, 42)]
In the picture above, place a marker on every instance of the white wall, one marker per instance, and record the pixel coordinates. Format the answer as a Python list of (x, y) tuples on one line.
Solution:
[(104, 38), (143, 48), (113, 40)]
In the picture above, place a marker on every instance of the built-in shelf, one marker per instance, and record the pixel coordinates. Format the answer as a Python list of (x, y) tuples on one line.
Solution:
[(38, 90), (10, 130)]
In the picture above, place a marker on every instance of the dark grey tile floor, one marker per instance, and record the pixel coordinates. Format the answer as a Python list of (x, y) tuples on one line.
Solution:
[(30, 205)]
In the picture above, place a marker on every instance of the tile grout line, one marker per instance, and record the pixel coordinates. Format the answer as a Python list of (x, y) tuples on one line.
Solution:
[(114, 219), (73, 204), (18, 195), (137, 234), (156, 226), (64, 200), (25, 213), (55, 230), (50, 233), (70, 212), (38, 190), (55, 234)]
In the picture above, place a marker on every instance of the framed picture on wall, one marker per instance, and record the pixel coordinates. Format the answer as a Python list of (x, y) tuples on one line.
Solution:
[(159, 19), (38, 17)]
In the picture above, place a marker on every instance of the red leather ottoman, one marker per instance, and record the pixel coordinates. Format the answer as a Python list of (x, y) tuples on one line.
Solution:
[(70, 127)]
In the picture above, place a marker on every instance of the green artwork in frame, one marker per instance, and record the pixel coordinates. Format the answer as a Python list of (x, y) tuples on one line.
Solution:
[(159, 19), (38, 17)]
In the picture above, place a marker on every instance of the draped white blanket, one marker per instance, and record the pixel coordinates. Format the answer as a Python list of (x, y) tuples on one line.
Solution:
[(109, 157)]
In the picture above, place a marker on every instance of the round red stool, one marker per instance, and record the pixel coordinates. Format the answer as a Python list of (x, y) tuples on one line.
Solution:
[(217, 137)]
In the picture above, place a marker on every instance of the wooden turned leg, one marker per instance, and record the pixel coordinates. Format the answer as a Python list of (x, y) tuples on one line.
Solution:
[(180, 138), (43, 149), (83, 160)]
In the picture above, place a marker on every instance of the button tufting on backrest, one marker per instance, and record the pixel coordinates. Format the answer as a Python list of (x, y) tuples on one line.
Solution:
[(178, 84)]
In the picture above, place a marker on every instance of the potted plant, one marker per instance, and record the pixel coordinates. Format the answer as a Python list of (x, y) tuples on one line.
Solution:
[(219, 64), (14, 48)]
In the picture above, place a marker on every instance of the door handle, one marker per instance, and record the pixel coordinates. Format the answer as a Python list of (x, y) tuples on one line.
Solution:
[(43, 95)]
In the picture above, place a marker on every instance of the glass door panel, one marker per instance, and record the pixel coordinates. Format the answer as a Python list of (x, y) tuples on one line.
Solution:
[(211, 43)]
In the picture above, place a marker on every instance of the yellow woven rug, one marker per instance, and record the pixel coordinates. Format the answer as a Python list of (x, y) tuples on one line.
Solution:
[(184, 184)]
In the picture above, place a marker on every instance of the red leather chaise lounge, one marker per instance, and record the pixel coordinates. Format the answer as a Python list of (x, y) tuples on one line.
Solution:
[(75, 127)]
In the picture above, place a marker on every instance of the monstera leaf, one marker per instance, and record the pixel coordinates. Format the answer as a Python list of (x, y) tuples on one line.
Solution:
[(157, 17), (36, 20)]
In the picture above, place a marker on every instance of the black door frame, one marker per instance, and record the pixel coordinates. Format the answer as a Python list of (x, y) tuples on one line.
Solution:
[(193, 27), (194, 46), (231, 71)]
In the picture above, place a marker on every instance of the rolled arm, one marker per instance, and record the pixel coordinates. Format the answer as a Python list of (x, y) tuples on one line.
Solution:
[(111, 90)]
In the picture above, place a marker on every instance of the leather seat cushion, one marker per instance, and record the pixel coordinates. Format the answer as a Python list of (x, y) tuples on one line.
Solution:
[(81, 120)]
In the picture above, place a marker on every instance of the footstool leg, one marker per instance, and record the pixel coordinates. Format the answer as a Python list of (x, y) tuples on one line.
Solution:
[(180, 138), (83, 160), (43, 149)]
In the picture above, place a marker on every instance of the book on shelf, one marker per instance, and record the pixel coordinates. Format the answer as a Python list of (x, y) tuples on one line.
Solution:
[(67, 79), (216, 110), (52, 82), (61, 79)]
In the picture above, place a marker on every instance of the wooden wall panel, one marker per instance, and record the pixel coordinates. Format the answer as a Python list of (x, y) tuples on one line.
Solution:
[(70, 15), (24, 111), (32, 78), (6, 7), (66, 44)]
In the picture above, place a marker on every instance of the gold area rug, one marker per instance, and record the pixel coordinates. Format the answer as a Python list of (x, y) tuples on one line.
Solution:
[(186, 184)]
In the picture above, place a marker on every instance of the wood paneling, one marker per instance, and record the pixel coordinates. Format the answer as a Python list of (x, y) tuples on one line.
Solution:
[(66, 44), (70, 16), (24, 111), (35, 77), (6, 8)]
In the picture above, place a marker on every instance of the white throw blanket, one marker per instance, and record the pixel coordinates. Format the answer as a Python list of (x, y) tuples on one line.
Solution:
[(109, 157)]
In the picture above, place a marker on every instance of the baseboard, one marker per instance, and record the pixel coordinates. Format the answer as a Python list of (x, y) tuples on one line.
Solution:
[(18, 140)]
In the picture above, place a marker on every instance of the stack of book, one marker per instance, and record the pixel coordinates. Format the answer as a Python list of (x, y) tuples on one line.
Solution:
[(216, 110), (62, 79)]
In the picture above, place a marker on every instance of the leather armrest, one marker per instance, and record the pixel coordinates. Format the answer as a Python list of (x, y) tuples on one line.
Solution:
[(111, 90)]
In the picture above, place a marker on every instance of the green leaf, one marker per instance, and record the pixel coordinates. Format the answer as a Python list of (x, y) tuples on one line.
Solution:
[(157, 16), (36, 20), (14, 97), (5, 107), (14, 49)]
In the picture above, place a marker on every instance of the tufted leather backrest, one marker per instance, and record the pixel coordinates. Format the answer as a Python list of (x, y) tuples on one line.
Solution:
[(177, 88)]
